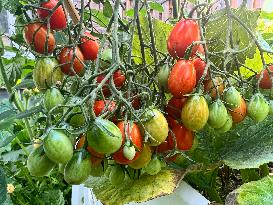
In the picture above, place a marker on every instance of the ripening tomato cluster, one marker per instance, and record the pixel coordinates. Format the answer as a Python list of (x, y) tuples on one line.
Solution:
[(40, 37)]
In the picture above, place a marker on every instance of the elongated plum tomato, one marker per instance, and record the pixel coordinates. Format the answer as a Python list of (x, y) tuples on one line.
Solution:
[(174, 107), (238, 114), (199, 66), (35, 35), (89, 46), (134, 135), (119, 80), (66, 57), (57, 20), (100, 106), (184, 139), (219, 86), (266, 82), (195, 113), (184, 33), (182, 78), (258, 108)]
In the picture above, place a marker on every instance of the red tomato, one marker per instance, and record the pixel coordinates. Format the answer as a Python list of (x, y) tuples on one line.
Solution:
[(199, 66), (136, 138), (58, 19), (89, 48), (118, 78), (184, 33), (171, 122), (219, 85), (99, 106), (174, 107), (238, 114), (35, 35), (182, 78), (266, 82), (66, 56)]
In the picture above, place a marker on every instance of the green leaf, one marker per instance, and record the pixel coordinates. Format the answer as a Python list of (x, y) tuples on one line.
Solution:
[(97, 16), (26, 83), (266, 15), (217, 28), (53, 197), (254, 193), (156, 6), (107, 9), (3, 186), (140, 190), (161, 32), (5, 138)]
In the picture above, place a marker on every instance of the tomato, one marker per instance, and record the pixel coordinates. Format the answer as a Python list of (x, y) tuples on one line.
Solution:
[(200, 50), (66, 57), (89, 46), (119, 80), (98, 170), (53, 97), (100, 106), (171, 122), (227, 126), (195, 113), (129, 152), (182, 78), (116, 176), (58, 147), (46, 73), (184, 33), (238, 114), (154, 167), (257, 108), (174, 107), (135, 137), (38, 163), (95, 157), (163, 76), (78, 168), (156, 127), (209, 86), (217, 114), (266, 82), (143, 159), (200, 67), (35, 35), (58, 19), (104, 136), (232, 97)]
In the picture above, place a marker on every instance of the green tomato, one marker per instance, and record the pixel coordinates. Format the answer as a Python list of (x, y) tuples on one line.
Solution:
[(154, 167), (163, 76), (38, 163), (217, 114), (104, 136), (258, 108), (78, 168), (129, 152), (227, 126), (52, 98), (232, 98), (58, 147)]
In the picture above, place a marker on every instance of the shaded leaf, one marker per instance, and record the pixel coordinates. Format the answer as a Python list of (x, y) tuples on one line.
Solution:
[(140, 190), (3, 186), (26, 83), (5, 138), (156, 6), (107, 9)]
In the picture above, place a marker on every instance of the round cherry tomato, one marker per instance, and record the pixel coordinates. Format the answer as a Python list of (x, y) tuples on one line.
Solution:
[(35, 35), (134, 135), (238, 114), (99, 106), (57, 19), (119, 80), (66, 57), (209, 87), (199, 66), (266, 82), (182, 79), (184, 33), (174, 107), (89, 46)]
